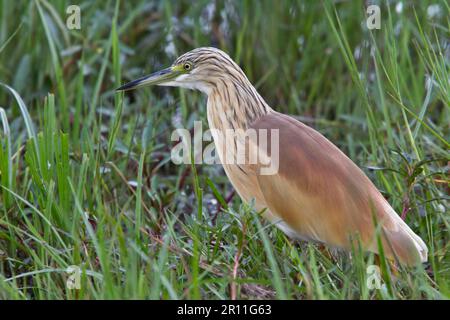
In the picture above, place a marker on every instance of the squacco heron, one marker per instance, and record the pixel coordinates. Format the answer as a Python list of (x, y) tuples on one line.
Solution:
[(316, 192)]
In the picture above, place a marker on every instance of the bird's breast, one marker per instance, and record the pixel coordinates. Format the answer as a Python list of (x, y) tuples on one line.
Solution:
[(238, 157)]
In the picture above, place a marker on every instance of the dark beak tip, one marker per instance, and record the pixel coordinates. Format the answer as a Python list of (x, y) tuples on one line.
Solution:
[(136, 83), (125, 87)]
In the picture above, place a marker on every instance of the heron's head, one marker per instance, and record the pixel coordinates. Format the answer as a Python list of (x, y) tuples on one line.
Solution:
[(201, 69)]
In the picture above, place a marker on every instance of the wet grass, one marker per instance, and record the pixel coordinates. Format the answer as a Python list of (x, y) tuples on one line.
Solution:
[(86, 177)]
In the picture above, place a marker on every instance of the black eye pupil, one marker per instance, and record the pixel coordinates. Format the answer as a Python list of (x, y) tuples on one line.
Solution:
[(187, 66)]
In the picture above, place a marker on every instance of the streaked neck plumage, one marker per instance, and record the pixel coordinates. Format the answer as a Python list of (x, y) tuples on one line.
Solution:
[(233, 102)]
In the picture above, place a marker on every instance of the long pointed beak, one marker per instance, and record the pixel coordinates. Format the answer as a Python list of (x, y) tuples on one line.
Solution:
[(156, 78)]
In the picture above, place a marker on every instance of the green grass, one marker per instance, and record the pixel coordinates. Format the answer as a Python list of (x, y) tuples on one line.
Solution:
[(86, 177)]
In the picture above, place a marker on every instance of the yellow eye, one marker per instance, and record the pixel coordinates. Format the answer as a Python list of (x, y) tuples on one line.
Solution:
[(187, 66)]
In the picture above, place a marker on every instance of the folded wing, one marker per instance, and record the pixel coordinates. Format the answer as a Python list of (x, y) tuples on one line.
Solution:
[(323, 196)]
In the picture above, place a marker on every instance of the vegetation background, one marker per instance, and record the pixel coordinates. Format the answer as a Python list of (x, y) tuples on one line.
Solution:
[(86, 177)]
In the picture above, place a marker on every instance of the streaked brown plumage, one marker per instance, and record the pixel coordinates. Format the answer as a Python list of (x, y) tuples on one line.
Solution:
[(318, 193)]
